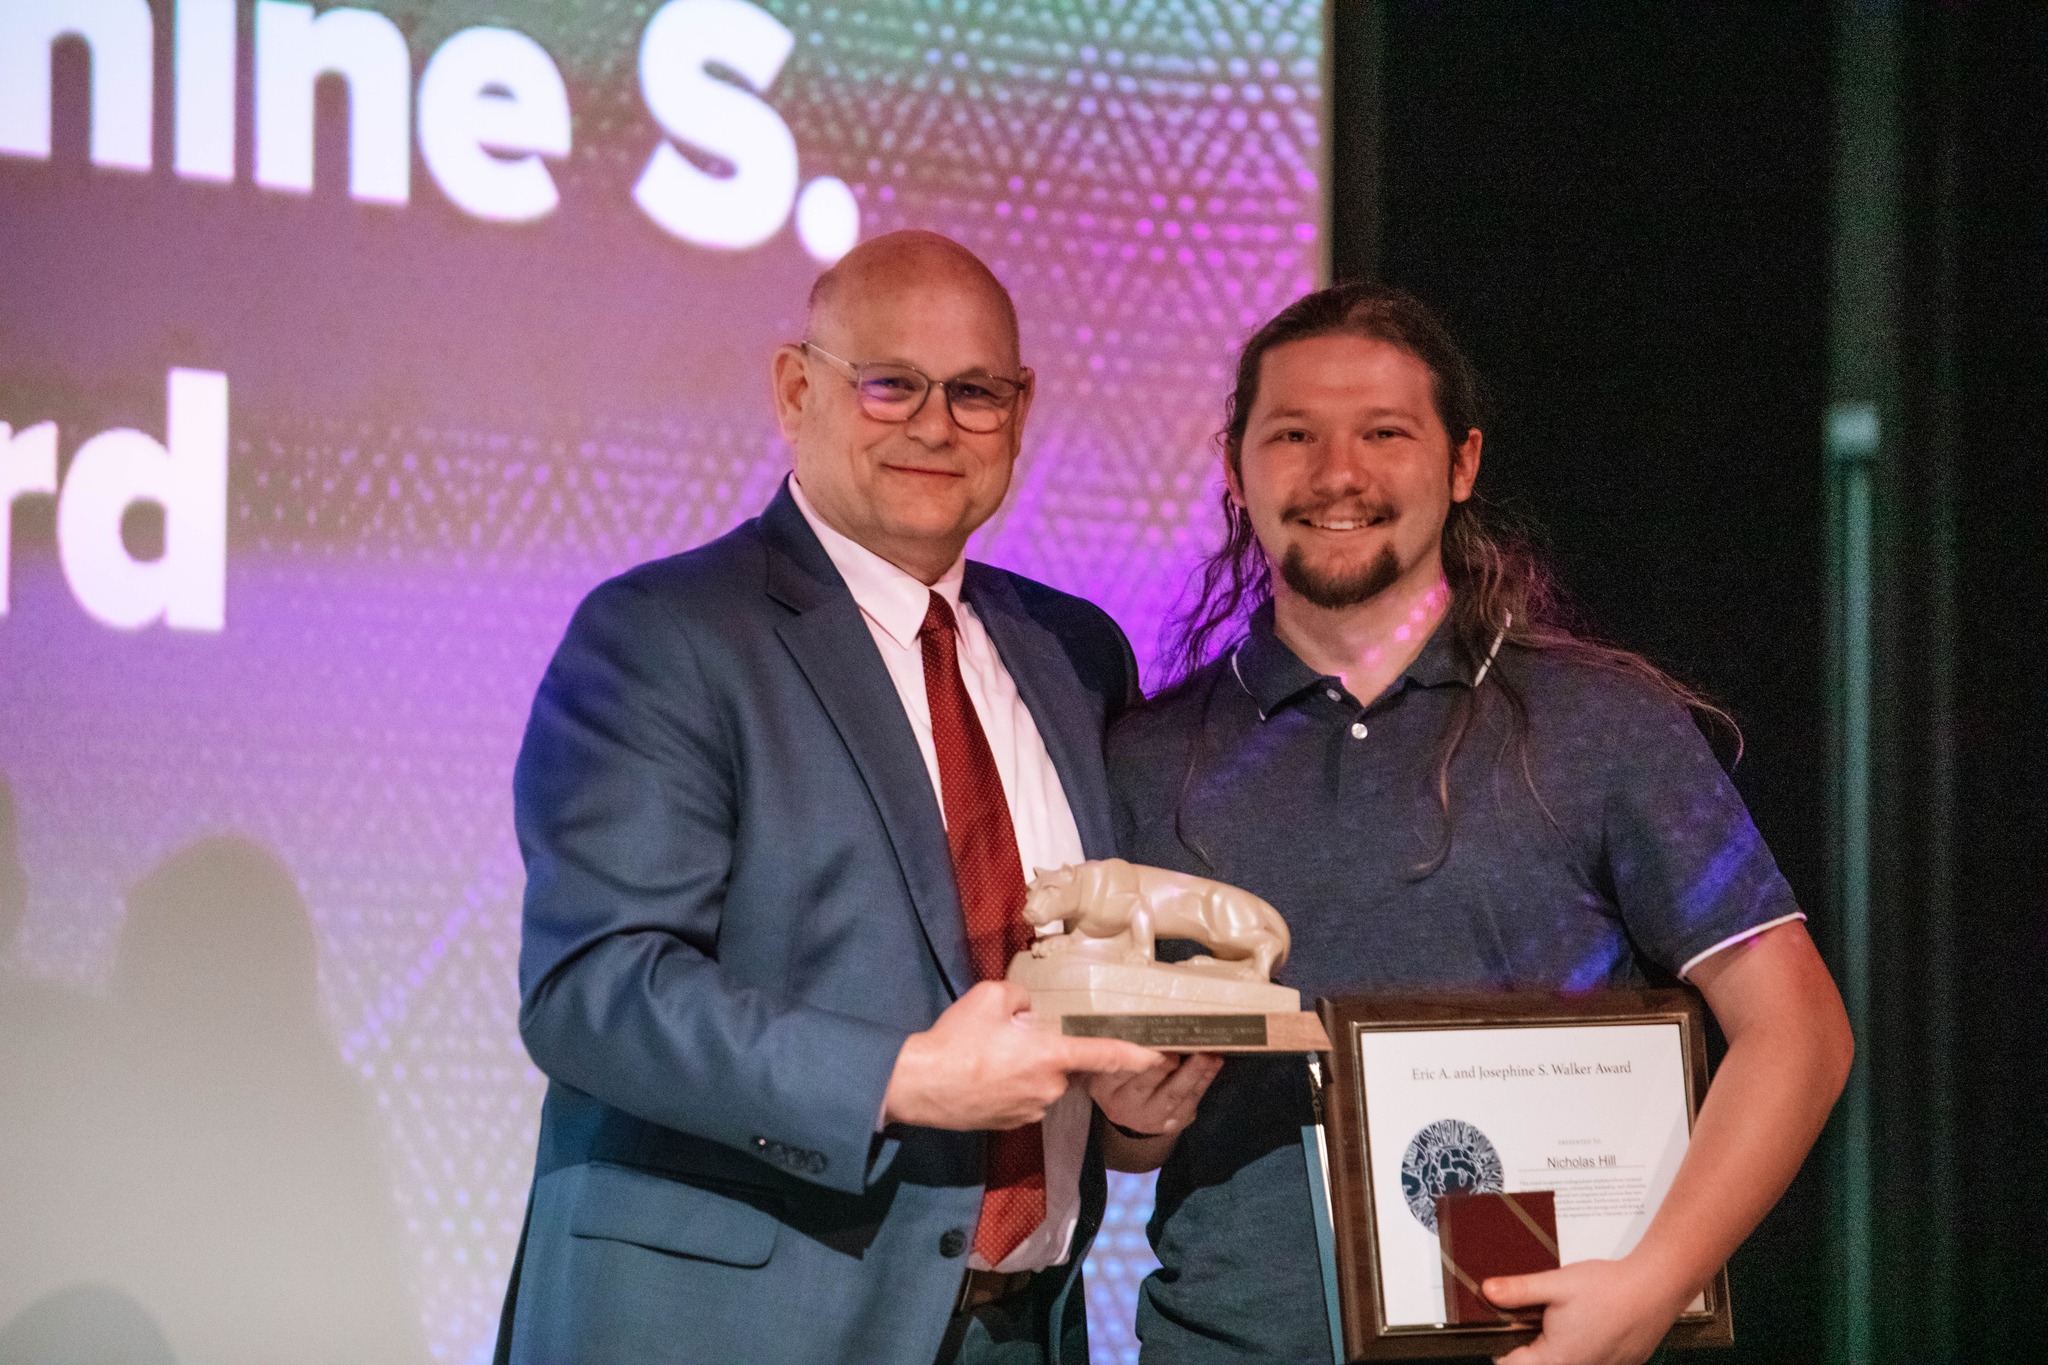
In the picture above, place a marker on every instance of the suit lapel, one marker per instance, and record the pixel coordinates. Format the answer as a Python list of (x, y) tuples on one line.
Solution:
[(830, 642), (1068, 716)]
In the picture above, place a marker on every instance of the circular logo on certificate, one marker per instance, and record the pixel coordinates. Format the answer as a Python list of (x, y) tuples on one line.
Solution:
[(1450, 1156)]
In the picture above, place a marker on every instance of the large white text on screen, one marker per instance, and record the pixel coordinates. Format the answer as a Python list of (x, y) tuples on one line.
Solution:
[(185, 474), (492, 110)]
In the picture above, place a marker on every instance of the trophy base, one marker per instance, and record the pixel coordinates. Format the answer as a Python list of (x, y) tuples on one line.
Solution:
[(1199, 1006)]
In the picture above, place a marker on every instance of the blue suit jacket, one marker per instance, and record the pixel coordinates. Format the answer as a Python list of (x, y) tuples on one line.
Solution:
[(739, 903)]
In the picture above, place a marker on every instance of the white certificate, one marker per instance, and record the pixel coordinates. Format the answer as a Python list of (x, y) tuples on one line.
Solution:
[(1596, 1112)]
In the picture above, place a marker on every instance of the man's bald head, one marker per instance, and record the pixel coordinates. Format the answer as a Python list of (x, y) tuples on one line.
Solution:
[(903, 262), (913, 487)]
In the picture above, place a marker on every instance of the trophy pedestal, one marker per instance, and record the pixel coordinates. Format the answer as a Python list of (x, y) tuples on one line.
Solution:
[(1198, 1006)]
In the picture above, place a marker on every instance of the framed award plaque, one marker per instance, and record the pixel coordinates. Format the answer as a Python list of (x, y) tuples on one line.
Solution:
[(1467, 1136)]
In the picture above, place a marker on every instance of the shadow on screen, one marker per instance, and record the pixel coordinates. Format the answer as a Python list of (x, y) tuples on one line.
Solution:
[(193, 1143), (87, 1324)]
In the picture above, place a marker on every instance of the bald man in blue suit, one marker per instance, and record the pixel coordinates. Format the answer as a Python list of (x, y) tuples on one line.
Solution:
[(772, 1074)]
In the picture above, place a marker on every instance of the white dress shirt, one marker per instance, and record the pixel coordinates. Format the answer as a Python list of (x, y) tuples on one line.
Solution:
[(894, 604)]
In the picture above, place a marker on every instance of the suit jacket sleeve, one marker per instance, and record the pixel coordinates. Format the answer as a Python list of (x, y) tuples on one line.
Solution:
[(625, 802)]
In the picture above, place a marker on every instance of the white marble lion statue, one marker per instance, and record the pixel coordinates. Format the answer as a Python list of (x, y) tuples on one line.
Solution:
[(1116, 911)]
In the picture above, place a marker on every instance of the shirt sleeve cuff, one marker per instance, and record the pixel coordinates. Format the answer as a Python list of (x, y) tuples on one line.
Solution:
[(1696, 959)]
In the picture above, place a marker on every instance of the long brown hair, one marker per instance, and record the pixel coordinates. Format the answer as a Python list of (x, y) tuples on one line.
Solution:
[(1503, 594)]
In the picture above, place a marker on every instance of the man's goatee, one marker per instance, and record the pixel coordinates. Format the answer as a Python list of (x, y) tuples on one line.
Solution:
[(1336, 591)]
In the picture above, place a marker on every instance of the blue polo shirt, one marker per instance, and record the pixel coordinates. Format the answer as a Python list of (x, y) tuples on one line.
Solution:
[(1632, 857)]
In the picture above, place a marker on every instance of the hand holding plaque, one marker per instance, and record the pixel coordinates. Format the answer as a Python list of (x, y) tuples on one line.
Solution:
[(1099, 977)]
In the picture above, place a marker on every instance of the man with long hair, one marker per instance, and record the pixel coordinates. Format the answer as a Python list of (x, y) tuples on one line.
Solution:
[(1385, 726)]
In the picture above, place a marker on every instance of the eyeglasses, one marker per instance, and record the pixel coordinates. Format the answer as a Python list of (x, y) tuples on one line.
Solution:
[(980, 403)]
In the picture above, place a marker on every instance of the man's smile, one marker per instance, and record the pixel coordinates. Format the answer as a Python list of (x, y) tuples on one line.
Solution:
[(1350, 519), (895, 468)]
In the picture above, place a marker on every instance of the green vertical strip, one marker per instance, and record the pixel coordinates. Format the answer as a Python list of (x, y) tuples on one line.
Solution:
[(1853, 445), (1861, 435)]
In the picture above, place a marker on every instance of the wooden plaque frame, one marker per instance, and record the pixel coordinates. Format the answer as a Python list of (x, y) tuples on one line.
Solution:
[(1345, 1106)]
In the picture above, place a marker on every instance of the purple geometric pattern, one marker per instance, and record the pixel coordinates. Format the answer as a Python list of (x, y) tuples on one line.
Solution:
[(1146, 179)]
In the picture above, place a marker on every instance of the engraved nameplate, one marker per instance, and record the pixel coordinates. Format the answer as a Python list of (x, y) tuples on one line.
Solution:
[(1178, 1031)]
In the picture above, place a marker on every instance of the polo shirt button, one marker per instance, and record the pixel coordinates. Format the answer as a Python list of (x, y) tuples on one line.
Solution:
[(1358, 729), (952, 1242), (1333, 694)]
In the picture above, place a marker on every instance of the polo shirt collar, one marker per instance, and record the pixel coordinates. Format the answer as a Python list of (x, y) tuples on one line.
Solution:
[(1437, 664), (894, 600), (1269, 671), (1274, 675)]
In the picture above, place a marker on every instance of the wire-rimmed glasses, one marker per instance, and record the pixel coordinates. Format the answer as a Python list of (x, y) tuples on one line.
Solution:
[(889, 392)]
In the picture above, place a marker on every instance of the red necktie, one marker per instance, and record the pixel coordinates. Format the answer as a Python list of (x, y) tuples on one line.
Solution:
[(991, 880)]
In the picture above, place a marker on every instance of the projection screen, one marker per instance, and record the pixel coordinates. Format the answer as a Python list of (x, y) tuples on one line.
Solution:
[(342, 349)]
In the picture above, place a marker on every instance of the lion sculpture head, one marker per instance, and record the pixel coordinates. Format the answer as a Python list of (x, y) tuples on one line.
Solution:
[(1050, 898)]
